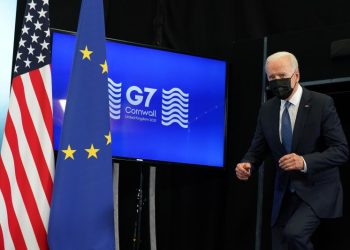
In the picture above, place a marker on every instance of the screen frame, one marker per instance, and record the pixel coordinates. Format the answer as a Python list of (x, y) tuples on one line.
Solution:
[(156, 163)]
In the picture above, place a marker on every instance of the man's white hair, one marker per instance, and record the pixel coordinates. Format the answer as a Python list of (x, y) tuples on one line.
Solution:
[(280, 54)]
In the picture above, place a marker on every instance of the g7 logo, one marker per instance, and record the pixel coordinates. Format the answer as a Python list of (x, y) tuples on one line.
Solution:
[(137, 98)]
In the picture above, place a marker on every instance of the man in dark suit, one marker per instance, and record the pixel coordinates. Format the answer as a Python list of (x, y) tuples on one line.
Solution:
[(302, 131)]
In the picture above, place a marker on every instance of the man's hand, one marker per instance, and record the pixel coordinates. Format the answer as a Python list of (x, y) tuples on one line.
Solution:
[(243, 170), (291, 162)]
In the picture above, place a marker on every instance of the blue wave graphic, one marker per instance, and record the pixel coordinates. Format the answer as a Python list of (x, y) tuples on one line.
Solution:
[(173, 95), (175, 111), (169, 92), (171, 101), (175, 107), (115, 98)]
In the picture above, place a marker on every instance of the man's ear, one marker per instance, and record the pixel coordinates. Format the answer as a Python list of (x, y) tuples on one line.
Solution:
[(297, 74)]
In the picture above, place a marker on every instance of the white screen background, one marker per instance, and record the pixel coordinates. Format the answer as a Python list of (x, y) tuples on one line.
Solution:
[(7, 28)]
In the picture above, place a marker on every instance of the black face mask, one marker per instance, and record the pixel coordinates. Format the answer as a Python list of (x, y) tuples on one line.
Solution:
[(281, 87)]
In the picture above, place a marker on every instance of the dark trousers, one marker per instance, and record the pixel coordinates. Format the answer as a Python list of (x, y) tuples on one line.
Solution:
[(295, 225)]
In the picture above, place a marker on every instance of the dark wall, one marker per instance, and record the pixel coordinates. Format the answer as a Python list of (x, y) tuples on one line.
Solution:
[(203, 208)]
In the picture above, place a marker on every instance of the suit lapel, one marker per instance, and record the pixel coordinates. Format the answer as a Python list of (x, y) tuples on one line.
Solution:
[(275, 120), (303, 110)]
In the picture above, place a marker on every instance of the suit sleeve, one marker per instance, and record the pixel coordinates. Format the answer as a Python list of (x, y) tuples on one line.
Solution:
[(336, 147), (258, 148)]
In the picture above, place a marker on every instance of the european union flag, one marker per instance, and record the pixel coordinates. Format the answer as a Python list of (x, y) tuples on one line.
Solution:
[(82, 207)]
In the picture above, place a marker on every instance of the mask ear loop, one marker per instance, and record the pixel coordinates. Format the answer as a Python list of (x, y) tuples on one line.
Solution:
[(293, 74), (292, 77)]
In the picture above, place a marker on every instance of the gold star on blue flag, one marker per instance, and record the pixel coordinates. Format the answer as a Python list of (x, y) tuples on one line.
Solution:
[(82, 205)]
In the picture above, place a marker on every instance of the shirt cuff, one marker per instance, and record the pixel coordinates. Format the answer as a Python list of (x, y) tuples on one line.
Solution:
[(304, 170)]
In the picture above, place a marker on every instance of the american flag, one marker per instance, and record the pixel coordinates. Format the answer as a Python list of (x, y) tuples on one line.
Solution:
[(27, 159)]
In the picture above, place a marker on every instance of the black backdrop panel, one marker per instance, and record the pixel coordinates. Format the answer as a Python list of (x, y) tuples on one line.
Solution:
[(211, 209), (312, 49), (245, 92)]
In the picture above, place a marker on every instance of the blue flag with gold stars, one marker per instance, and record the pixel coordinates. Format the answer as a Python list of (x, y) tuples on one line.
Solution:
[(82, 205)]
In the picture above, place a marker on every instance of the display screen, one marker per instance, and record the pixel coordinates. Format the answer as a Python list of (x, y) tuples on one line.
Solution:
[(7, 27), (164, 106)]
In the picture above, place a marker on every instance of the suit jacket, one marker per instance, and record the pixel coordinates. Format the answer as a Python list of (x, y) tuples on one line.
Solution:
[(318, 137)]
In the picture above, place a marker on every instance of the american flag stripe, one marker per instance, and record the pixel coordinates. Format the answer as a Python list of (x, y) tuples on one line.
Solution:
[(4, 222), (33, 136), (11, 200), (38, 84), (24, 186), (47, 79), (29, 166), (19, 222), (35, 81), (40, 113)]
